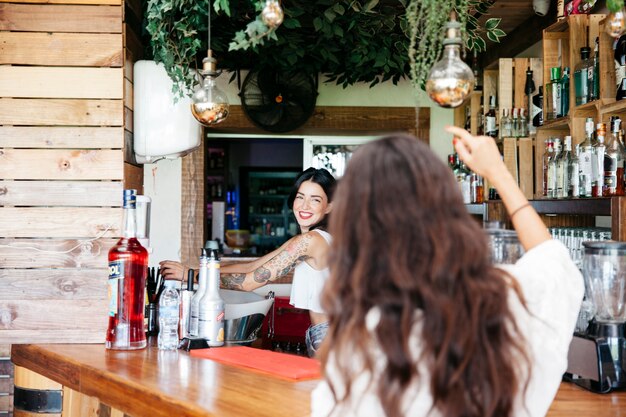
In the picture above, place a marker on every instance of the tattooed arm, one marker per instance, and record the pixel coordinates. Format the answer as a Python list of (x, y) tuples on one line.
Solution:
[(297, 249), (238, 268)]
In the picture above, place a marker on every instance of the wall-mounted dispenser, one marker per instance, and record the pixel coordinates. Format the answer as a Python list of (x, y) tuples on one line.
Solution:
[(162, 128)]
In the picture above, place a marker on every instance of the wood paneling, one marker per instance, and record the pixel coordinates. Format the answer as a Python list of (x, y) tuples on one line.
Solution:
[(133, 177), (60, 222), (61, 112), (61, 164), (52, 253), (60, 18), (53, 284), (25, 378), (61, 49), (60, 193), (61, 137), (61, 82), (192, 210), (53, 315)]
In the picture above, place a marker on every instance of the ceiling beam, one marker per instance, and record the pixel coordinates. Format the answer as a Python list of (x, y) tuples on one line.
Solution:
[(521, 38)]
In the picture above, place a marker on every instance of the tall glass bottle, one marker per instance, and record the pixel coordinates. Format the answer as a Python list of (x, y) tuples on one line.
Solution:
[(529, 88), (211, 315), (523, 124), (614, 161), (573, 174), (581, 76), (481, 118), (594, 81), (552, 169), (597, 165), (548, 154), (585, 158), (478, 79), (506, 125), (562, 164), (564, 84), (537, 111), (620, 66), (195, 300), (515, 127), (491, 126), (128, 268), (553, 92)]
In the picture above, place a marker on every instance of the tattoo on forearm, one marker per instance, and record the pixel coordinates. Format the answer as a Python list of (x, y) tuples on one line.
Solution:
[(262, 274), (232, 281)]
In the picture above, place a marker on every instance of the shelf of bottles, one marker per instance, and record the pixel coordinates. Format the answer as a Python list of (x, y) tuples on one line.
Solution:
[(216, 178)]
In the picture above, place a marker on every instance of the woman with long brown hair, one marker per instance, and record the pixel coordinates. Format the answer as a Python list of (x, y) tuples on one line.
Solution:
[(421, 322)]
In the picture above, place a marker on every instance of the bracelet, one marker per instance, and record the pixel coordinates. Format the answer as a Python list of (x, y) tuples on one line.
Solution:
[(518, 209)]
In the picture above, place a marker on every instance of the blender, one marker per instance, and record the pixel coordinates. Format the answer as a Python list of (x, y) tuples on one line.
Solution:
[(597, 354)]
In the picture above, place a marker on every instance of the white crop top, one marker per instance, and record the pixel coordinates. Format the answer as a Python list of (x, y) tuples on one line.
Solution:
[(308, 283)]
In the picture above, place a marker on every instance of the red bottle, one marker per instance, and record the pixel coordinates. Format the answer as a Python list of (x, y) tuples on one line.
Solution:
[(128, 266)]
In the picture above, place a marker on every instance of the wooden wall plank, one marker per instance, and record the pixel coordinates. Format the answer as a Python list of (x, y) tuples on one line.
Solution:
[(128, 119), (93, 2), (128, 94), (60, 193), (61, 49), (60, 222), (68, 335), (505, 86), (61, 82), (510, 156), (53, 314), (86, 254), (60, 112), (133, 177), (53, 284), (54, 164), (132, 42), (60, 18), (25, 378), (526, 180), (193, 218), (61, 137), (519, 69)]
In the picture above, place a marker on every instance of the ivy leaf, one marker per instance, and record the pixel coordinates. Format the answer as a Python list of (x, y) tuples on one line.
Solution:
[(492, 23), (370, 5), (339, 9), (480, 43), (330, 15), (317, 24), (290, 23), (338, 30)]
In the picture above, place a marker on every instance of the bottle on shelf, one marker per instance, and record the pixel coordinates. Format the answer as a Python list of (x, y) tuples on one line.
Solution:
[(523, 124), (552, 168), (564, 86), (597, 165), (620, 66), (553, 93), (506, 125), (468, 118), (195, 300), (594, 80), (478, 79), (573, 173), (614, 161), (548, 154), (169, 316), (211, 306), (562, 167), (515, 123), (128, 269), (491, 126), (480, 118), (476, 188), (537, 108), (581, 76), (585, 158), (529, 88)]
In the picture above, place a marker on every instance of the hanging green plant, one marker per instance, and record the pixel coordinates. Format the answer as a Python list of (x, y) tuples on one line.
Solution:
[(349, 41)]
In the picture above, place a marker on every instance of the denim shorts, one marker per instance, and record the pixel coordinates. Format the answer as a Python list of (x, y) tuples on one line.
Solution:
[(314, 337)]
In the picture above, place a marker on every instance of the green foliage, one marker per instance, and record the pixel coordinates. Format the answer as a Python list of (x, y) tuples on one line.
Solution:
[(349, 41)]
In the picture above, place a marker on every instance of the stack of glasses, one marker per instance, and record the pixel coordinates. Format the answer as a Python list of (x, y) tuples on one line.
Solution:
[(573, 238)]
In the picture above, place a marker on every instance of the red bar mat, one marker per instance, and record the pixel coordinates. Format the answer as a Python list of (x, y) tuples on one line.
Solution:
[(284, 365)]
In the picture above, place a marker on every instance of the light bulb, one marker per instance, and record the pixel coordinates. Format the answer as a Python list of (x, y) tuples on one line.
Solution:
[(450, 80), (616, 23), (209, 104), (272, 14)]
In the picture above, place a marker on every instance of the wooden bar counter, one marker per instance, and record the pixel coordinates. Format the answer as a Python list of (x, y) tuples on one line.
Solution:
[(152, 383)]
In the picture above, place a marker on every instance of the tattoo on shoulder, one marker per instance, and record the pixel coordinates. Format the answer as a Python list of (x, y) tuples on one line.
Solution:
[(232, 281), (262, 274)]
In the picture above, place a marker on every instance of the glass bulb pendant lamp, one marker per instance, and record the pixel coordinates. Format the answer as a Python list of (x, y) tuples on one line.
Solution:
[(209, 104), (450, 80), (272, 14)]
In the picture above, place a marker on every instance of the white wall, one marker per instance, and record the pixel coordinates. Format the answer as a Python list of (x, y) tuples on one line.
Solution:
[(162, 180)]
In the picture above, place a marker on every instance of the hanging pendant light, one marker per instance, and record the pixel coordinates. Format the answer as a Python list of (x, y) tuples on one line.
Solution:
[(209, 104), (272, 14), (450, 80)]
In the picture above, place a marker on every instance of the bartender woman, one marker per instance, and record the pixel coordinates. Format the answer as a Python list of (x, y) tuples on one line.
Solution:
[(305, 254)]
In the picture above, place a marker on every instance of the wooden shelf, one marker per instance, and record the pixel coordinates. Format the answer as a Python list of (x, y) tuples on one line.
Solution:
[(476, 208), (600, 206), (562, 123), (615, 107), (559, 26)]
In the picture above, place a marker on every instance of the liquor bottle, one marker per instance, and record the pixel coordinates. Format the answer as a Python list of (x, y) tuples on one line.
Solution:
[(491, 127), (128, 268), (552, 171), (553, 92), (529, 88), (594, 80), (506, 125), (211, 311), (597, 163), (477, 188), (537, 111), (614, 161), (548, 154), (468, 118), (573, 174), (581, 76), (585, 157), (620, 66), (515, 128), (478, 79), (523, 124), (195, 300), (564, 86), (481, 118), (563, 163)]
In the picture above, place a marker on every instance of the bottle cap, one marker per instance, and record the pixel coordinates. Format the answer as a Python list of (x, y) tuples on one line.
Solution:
[(585, 51), (555, 73), (130, 198), (190, 275)]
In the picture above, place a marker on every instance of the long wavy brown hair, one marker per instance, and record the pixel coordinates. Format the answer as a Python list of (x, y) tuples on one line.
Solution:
[(404, 242)]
